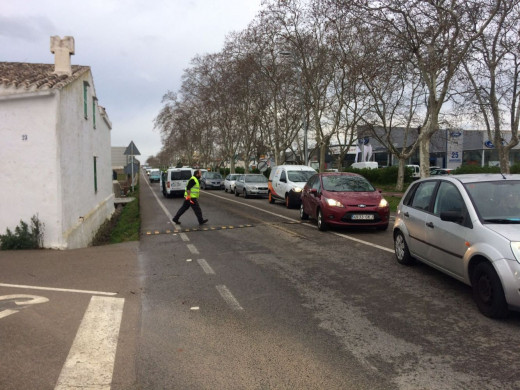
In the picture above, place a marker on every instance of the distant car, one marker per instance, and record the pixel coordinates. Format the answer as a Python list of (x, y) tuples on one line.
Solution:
[(211, 180), (416, 170), (254, 184), (229, 182), (440, 171), (154, 175), (467, 226), (343, 199)]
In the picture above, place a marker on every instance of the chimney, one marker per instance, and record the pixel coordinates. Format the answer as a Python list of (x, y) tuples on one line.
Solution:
[(62, 50)]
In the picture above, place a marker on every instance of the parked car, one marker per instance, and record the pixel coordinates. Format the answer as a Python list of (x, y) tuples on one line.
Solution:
[(467, 226), (254, 184), (343, 199), (155, 175), (416, 170), (229, 182), (440, 171), (286, 183), (211, 180), (365, 165)]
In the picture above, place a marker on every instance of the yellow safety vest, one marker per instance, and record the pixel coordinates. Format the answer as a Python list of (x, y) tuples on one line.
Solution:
[(195, 190)]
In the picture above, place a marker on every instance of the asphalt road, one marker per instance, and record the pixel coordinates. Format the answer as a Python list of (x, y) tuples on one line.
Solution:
[(257, 300)]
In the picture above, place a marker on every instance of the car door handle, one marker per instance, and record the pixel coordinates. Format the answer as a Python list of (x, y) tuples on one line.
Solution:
[(430, 224)]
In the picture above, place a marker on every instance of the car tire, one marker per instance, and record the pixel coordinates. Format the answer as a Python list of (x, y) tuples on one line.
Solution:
[(245, 194), (236, 192), (288, 202), (488, 292), (402, 253), (270, 197), (225, 189), (322, 226), (303, 214)]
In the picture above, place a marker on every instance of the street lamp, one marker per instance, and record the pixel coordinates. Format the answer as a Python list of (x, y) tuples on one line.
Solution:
[(304, 121)]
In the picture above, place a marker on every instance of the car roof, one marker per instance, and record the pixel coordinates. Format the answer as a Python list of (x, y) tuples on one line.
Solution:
[(475, 177), (338, 174)]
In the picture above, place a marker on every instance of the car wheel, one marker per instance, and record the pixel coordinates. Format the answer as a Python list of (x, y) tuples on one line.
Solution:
[(288, 202), (236, 192), (225, 189), (245, 194), (321, 224), (270, 197), (303, 214), (488, 292), (402, 254)]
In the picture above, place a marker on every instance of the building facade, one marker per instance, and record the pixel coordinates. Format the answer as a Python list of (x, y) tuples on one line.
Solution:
[(56, 149)]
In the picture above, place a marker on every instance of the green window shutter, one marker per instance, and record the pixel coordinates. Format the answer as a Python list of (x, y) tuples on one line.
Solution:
[(85, 98), (94, 100), (95, 174)]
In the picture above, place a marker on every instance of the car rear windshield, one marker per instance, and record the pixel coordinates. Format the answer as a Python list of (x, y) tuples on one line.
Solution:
[(341, 183), (181, 175), (300, 176)]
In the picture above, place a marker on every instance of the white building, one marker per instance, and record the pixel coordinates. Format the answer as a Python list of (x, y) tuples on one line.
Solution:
[(55, 149)]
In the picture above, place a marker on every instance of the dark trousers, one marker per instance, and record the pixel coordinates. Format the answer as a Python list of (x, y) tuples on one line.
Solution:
[(186, 205)]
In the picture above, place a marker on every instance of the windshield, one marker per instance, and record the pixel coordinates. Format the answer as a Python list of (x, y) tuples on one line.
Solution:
[(213, 175), (300, 176), (496, 201), (255, 179), (344, 183)]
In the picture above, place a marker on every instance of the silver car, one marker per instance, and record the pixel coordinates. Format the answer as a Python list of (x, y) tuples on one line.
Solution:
[(254, 184), (229, 182), (467, 226)]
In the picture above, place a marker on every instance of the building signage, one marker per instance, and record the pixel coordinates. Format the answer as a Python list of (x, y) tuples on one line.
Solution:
[(454, 149)]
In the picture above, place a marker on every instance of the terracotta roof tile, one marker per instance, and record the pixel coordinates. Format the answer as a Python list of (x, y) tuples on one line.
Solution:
[(31, 77)]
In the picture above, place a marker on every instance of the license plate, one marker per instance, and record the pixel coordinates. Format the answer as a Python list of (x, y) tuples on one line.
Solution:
[(363, 216)]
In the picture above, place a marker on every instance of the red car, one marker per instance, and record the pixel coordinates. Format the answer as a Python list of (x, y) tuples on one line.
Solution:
[(343, 199)]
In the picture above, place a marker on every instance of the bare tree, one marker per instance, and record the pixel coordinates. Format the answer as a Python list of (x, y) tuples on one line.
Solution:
[(492, 73), (438, 35)]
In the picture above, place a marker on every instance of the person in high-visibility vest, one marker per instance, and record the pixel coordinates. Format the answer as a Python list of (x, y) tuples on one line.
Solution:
[(191, 198)]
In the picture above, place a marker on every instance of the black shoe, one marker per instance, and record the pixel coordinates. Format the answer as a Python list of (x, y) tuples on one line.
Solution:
[(203, 222), (176, 221)]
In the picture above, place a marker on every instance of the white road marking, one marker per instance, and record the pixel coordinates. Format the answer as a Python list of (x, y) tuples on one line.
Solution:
[(90, 363), (8, 312), (57, 289), (206, 267), (184, 237), (308, 225), (192, 249), (159, 201), (228, 297)]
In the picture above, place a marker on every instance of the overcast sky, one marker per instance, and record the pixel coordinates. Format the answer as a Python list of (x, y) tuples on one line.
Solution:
[(137, 49)]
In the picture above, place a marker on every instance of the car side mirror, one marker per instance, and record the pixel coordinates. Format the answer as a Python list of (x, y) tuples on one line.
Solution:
[(314, 191), (283, 180)]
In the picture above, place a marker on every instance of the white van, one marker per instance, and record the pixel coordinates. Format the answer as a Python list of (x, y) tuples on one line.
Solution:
[(176, 181), (365, 165), (286, 183), (416, 170)]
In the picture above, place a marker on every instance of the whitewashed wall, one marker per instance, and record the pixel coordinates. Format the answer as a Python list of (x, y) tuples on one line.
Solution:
[(28, 156), (48, 165)]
